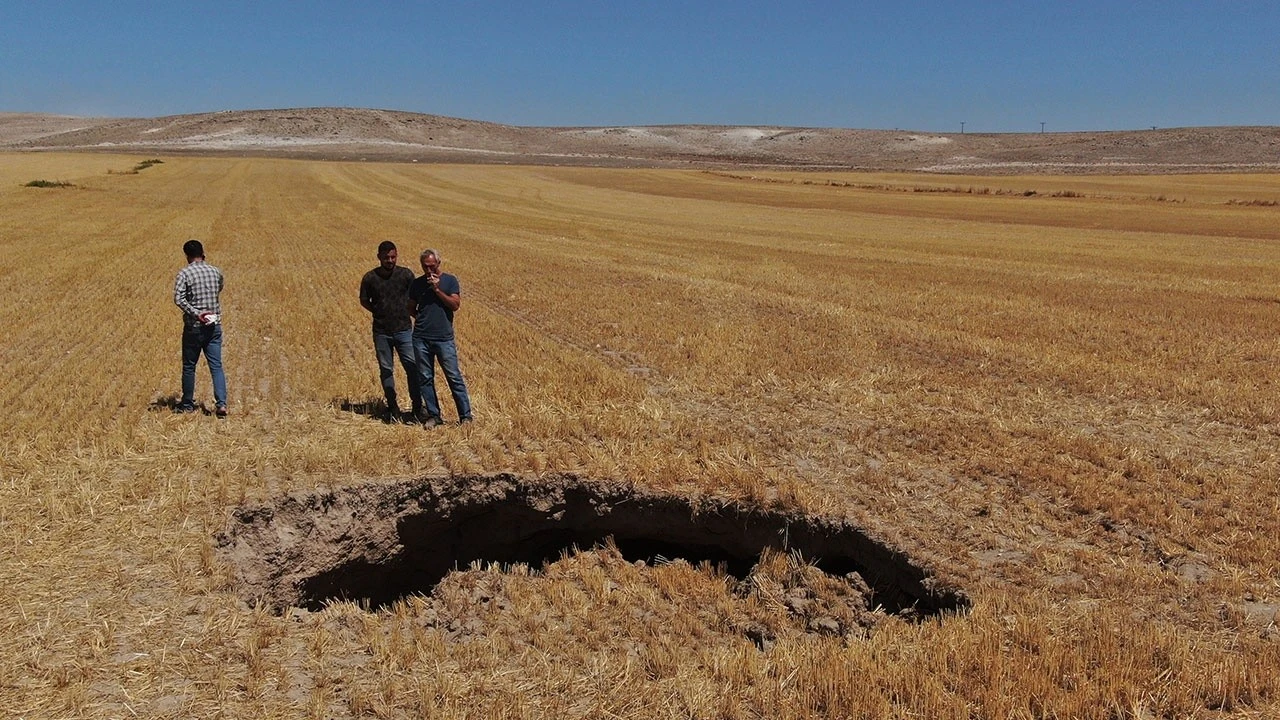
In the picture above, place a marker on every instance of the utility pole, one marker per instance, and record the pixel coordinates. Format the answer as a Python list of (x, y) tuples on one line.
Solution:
[(1041, 128), (961, 127)]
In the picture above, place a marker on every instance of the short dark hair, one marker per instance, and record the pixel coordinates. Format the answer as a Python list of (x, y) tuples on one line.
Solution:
[(193, 249), (385, 247)]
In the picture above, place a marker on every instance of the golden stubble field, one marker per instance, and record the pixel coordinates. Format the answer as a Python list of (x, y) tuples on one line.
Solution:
[(1060, 394)]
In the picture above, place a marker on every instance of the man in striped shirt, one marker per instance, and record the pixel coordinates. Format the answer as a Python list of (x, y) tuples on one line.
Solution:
[(196, 292)]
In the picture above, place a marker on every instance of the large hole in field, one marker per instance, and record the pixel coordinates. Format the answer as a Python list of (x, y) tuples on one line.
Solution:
[(379, 542)]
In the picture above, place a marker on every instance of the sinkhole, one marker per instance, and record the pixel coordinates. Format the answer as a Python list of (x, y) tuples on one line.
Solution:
[(378, 542)]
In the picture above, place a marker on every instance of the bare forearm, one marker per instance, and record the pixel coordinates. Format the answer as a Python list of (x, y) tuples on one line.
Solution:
[(451, 302)]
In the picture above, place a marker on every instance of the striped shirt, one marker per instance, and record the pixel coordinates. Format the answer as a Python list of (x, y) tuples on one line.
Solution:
[(196, 291)]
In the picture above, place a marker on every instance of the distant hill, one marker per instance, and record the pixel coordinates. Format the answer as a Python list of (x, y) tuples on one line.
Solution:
[(363, 134)]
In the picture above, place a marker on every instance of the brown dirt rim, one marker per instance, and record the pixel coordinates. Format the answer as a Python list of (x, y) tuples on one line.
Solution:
[(378, 542)]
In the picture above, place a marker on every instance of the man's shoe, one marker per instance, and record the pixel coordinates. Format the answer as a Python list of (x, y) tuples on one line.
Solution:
[(431, 422), (466, 420), (221, 411), (184, 408), (390, 416)]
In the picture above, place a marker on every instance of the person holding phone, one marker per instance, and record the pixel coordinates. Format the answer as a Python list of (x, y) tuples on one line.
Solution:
[(433, 299)]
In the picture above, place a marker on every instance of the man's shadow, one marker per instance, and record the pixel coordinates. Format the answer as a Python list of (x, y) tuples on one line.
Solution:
[(171, 403), (372, 408)]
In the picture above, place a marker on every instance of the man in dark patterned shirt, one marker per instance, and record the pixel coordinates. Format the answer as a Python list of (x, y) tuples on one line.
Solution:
[(196, 292), (384, 292)]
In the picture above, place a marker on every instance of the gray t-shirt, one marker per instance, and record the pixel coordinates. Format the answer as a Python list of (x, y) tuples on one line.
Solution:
[(434, 320)]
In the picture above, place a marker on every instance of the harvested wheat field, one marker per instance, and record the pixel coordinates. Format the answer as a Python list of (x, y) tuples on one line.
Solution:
[(748, 445)]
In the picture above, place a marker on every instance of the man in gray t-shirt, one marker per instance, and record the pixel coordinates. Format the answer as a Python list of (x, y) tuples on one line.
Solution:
[(384, 292), (433, 299)]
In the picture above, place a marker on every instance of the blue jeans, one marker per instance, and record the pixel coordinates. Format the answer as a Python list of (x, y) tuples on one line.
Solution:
[(387, 346), (206, 339), (446, 353)]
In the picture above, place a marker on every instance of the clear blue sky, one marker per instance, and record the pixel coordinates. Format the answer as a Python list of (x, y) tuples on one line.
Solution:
[(996, 66)]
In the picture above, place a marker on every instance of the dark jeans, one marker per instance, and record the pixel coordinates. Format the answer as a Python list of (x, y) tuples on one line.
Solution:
[(446, 353), (387, 346), (205, 339)]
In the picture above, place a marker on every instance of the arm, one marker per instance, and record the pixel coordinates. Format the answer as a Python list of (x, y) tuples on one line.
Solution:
[(366, 301), (452, 302), (180, 297), (413, 308), (451, 298)]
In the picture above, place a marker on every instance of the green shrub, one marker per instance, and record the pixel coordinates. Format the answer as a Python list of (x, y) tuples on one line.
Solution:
[(48, 183)]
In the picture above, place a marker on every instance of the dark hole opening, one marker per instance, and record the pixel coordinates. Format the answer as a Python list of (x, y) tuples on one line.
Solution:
[(376, 544)]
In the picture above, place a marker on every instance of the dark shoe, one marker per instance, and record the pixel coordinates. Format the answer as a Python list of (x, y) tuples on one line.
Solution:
[(466, 420), (390, 416), (431, 422), (221, 411), (184, 408)]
